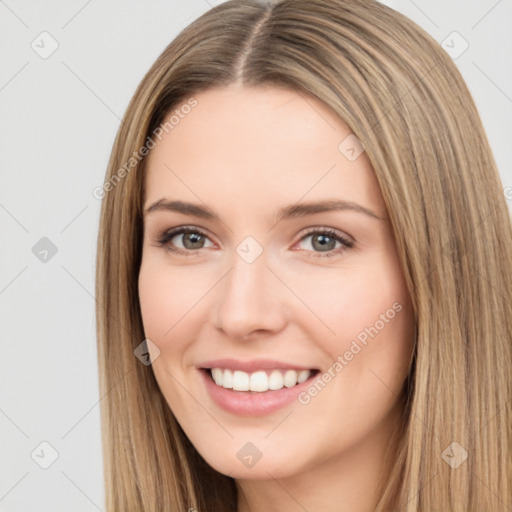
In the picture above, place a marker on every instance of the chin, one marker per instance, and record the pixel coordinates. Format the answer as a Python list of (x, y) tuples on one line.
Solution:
[(243, 468)]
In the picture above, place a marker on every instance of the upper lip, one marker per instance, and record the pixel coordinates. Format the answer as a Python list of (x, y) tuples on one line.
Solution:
[(251, 366)]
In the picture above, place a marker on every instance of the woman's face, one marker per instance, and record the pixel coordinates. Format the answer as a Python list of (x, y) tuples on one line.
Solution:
[(288, 265)]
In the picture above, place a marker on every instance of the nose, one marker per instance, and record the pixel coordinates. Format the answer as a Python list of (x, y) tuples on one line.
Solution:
[(250, 300)]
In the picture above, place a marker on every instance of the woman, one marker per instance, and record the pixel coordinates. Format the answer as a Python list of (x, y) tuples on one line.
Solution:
[(303, 274)]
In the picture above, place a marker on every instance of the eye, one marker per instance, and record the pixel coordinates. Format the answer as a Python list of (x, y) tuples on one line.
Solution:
[(191, 239), (324, 240)]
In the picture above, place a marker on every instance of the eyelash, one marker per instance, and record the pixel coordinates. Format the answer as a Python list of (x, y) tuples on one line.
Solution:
[(167, 236)]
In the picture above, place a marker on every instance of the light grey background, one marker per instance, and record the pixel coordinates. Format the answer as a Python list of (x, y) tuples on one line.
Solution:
[(59, 116)]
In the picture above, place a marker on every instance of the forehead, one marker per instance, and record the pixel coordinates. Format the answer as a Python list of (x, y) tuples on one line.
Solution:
[(254, 145)]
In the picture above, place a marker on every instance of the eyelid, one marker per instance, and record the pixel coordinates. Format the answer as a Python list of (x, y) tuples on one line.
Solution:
[(167, 235), (325, 229), (346, 240)]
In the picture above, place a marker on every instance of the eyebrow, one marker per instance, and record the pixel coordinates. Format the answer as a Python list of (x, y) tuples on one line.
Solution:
[(288, 212)]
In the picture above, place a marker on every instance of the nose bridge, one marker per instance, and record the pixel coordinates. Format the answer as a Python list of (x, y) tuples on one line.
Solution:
[(247, 298)]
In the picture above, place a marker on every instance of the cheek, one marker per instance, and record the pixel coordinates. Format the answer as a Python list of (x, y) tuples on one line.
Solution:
[(165, 296), (348, 301), (370, 319), (165, 299), (156, 305)]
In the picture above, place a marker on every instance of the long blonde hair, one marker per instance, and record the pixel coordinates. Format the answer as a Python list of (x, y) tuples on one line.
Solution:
[(403, 97)]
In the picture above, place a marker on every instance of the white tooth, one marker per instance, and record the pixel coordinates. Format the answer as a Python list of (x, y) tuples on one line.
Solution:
[(303, 375), (258, 381), (240, 381), (290, 378), (217, 376), (227, 379), (275, 380)]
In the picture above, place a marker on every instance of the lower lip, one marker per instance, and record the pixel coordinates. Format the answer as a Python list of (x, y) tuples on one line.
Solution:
[(252, 403)]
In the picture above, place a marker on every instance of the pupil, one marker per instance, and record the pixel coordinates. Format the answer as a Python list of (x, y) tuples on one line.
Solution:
[(194, 238), (323, 241)]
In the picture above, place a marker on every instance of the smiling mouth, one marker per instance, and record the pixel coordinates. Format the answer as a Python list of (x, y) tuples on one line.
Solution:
[(259, 381)]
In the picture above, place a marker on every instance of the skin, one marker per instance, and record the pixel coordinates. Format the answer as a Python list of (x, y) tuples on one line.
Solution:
[(245, 153)]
